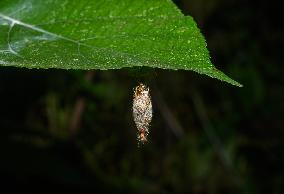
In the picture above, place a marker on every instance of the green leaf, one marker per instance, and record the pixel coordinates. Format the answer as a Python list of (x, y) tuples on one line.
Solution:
[(102, 34)]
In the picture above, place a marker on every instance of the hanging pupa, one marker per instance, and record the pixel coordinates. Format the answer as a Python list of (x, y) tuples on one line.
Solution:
[(142, 111)]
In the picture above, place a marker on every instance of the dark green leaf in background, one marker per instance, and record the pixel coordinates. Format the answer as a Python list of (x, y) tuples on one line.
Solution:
[(102, 34)]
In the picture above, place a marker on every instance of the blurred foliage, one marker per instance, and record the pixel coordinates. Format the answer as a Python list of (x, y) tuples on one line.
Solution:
[(230, 140)]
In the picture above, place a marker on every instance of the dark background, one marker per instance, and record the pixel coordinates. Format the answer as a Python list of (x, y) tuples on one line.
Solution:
[(72, 131)]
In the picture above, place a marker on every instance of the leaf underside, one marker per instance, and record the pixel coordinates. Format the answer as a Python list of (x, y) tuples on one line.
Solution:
[(102, 34)]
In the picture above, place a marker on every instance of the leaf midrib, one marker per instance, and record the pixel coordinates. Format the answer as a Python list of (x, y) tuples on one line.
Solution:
[(35, 28)]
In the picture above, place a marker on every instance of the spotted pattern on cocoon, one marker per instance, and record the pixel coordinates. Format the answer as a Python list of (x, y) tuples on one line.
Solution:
[(142, 111)]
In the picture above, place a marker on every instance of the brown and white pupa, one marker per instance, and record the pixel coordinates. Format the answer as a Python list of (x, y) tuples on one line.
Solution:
[(142, 111)]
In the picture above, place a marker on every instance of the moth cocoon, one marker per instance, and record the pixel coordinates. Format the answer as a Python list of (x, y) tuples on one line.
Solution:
[(142, 111)]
